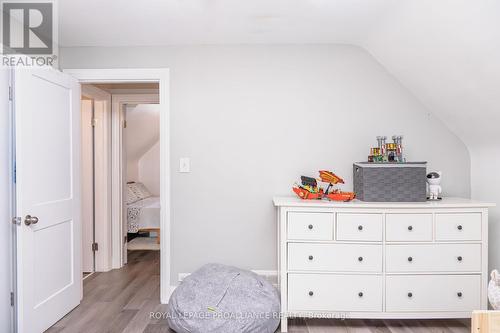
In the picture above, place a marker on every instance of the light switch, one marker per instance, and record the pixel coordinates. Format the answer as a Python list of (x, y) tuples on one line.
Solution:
[(184, 164)]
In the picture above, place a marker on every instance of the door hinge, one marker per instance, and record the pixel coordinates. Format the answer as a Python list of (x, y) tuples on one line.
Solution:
[(11, 299), (124, 124), (93, 122), (10, 93), (95, 247)]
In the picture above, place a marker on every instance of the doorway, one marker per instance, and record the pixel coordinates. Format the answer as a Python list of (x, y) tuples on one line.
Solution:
[(95, 173), (120, 192), (88, 186), (141, 165), (47, 189), (135, 76)]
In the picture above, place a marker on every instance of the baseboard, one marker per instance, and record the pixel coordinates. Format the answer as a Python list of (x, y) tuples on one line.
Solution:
[(269, 275), (182, 276)]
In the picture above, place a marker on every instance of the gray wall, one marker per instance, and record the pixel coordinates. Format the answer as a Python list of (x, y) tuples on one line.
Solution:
[(485, 179), (254, 118), (5, 224)]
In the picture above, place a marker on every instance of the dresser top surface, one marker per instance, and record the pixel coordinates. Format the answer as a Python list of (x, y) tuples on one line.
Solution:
[(290, 201)]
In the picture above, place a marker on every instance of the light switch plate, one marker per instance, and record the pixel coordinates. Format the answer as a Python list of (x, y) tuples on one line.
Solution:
[(184, 164)]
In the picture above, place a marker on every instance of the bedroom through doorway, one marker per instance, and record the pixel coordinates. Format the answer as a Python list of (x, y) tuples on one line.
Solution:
[(141, 169), (120, 175)]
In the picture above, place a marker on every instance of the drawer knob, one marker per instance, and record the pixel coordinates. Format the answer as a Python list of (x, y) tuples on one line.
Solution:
[(410, 295), (459, 294), (459, 227), (311, 293), (360, 259), (311, 257), (310, 226), (360, 294), (360, 227), (459, 258), (410, 228), (410, 259)]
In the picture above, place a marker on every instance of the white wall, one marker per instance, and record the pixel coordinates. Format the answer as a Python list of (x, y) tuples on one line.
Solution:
[(448, 57), (140, 135), (5, 210), (149, 169), (132, 170), (485, 168), (254, 118)]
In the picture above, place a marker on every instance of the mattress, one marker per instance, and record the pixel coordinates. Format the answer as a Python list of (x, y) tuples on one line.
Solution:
[(143, 214)]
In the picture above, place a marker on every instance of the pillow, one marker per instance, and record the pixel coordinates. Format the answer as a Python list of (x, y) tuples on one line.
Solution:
[(130, 196), (140, 190)]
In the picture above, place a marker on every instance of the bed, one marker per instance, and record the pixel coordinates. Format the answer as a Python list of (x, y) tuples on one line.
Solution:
[(143, 210)]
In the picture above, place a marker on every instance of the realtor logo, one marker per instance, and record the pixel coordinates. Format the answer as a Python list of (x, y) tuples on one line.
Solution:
[(27, 28)]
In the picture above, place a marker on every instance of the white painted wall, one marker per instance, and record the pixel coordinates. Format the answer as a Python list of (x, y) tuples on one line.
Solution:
[(141, 134), (5, 206), (446, 53), (132, 170), (149, 169), (485, 168), (254, 118)]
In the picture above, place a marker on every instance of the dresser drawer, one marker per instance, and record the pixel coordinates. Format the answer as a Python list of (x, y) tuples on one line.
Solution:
[(433, 258), (325, 292), (334, 257), (312, 226), (458, 226), (359, 227), (433, 293), (408, 227)]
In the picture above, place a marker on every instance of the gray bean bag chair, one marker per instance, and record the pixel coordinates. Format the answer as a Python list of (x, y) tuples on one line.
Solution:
[(224, 299)]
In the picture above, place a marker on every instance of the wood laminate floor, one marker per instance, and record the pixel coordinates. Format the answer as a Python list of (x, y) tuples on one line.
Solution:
[(120, 301)]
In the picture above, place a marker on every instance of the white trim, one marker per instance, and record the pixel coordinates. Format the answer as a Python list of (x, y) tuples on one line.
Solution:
[(268, 274), (160, 75), (118, 178), (103, 226), (14, 311)]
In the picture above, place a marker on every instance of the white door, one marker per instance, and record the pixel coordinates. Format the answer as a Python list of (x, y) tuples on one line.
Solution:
[(47, 147)]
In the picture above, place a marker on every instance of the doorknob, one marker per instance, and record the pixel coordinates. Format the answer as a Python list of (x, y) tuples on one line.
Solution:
[(29, 220)]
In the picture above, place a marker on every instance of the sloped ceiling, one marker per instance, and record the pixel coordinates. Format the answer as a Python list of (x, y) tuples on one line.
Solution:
[(143, 129), (446, 52)]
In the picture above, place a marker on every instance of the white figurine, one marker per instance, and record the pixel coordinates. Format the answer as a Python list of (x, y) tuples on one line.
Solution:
[(494, 290), (434, 181)]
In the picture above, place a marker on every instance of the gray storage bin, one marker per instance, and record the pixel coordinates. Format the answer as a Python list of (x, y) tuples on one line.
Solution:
[(390, 182)]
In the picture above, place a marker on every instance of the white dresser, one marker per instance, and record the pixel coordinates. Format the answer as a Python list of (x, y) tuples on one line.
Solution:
[(382, 260)]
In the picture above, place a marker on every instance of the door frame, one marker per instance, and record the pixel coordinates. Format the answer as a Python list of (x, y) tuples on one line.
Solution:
[(161, 76), (7, 193), (102, 204), (118, 178)]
